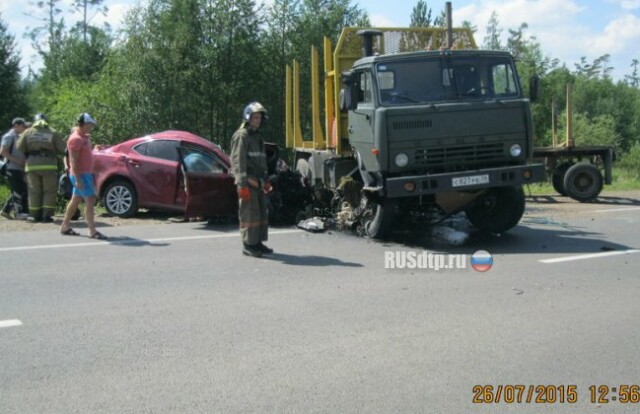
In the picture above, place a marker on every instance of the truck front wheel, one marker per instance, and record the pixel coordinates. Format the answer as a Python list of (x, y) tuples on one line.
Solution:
[(378, 218), (499, 210)]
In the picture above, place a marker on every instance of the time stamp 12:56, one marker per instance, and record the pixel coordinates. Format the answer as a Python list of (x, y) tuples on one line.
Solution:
[(554, 394)]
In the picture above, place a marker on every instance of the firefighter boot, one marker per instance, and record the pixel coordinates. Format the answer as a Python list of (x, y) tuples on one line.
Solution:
[(264, 249), (252, 250)]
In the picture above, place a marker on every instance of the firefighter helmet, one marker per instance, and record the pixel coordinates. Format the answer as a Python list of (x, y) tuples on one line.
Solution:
[(252, 108)]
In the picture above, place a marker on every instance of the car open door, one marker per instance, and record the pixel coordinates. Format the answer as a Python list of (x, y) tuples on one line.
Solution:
[(208, 183)]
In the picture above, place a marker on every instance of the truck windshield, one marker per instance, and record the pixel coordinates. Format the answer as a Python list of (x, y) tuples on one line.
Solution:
[(450, 78)]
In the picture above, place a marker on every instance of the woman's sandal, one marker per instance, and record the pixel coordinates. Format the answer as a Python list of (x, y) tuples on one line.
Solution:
[(69, 232), (99, 236)]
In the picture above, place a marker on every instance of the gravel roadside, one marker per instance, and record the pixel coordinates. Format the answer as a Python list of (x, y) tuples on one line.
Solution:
[(537, 205), (102, 221)]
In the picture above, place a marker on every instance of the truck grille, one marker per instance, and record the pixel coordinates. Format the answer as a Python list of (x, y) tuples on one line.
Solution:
[(464, 155)]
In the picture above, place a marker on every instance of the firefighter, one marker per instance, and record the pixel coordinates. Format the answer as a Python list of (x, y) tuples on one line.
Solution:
[(41, 146), (249, 165)]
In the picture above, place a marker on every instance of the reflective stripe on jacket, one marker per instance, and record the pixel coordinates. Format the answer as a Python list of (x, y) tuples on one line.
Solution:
[(248, 156)]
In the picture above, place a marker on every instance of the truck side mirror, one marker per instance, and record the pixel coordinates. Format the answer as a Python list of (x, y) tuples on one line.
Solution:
[(345, 99), (349, 92), (534, 88)]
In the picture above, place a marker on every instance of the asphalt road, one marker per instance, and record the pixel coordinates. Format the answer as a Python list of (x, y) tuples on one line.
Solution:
[(173, 319)]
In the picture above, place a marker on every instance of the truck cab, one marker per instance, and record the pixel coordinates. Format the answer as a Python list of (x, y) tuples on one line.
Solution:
[(449, 127)]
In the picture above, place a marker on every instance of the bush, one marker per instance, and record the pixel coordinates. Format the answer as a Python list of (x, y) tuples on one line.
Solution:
[(5, 191), (630, 161)]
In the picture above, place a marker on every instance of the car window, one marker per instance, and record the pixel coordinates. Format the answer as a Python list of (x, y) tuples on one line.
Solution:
[(163, 149), (200, 161), (141, 148)]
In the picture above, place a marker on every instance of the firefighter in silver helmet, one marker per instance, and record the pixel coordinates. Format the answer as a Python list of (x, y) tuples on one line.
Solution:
[(249, 165)]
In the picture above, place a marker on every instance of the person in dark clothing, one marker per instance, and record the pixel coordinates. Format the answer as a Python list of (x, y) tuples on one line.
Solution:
[(249, 166), (18, 201)]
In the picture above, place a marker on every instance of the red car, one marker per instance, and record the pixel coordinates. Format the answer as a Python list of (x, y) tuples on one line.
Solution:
[(171, 171)]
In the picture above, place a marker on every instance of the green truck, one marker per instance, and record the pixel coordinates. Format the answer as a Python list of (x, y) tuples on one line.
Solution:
[(423, 120)]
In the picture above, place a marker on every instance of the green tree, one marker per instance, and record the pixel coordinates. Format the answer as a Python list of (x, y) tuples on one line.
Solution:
[(83, 7), (12, 100), (47, 38), (634, 79), (552, 87), (233, 49), (314, 20), (157, 70), (631, 161), (597, 69), (281, 21), (598, 130), (600, 96), (420, 15), (81, 57), (492, 38)]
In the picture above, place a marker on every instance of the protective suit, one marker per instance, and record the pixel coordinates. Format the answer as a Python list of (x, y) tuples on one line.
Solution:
[(249, 166), (41, 146)]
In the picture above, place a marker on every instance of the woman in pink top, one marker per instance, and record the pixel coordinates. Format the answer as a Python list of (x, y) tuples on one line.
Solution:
[(81, 175)]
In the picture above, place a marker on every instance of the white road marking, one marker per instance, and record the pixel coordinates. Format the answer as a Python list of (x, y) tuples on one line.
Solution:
[(614, 210), (9, 323), (589, 256), (117, 241)]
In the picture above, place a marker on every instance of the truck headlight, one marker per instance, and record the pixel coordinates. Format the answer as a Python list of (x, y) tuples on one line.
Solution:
[(515, 150), (402, 159)]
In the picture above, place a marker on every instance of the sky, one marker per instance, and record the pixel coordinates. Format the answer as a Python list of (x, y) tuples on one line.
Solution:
[(566, 29)]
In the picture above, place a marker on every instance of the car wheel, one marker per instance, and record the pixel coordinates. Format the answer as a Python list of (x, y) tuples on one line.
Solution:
[(120, 199)]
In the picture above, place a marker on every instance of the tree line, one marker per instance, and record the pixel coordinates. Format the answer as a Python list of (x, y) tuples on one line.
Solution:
[(194, 64)]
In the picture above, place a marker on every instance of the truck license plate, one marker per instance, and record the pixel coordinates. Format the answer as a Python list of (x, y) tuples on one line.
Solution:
[(470, 180)]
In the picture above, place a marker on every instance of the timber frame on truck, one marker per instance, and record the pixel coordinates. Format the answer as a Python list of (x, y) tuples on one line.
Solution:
[(575, 171), (423, 120)]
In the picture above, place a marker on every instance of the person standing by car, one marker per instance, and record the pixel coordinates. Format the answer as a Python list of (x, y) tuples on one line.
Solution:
[(81, 175), (18, 200), (41, 145), (249, 166)]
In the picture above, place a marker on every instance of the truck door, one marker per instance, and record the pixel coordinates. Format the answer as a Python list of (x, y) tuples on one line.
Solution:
[(209, 186), (361, 121)]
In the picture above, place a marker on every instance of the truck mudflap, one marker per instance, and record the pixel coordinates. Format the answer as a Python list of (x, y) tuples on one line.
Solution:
[(416, 185)]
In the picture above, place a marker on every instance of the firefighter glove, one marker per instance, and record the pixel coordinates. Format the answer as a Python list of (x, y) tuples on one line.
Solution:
[(267, 187), (244, 193)]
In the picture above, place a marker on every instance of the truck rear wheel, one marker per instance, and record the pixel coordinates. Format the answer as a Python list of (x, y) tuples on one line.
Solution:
[(378, 219), (499, 210), (557, 179), (583, 182)]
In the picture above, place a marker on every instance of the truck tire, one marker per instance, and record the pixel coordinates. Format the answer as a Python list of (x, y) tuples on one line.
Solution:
[(583, 182), (499, 210), (557, 179), (379, 222)]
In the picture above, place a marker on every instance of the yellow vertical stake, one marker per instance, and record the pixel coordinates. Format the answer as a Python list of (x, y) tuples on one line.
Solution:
[(288, 121), (315, 102), (570, 138), (297, 129), (329, 94)]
